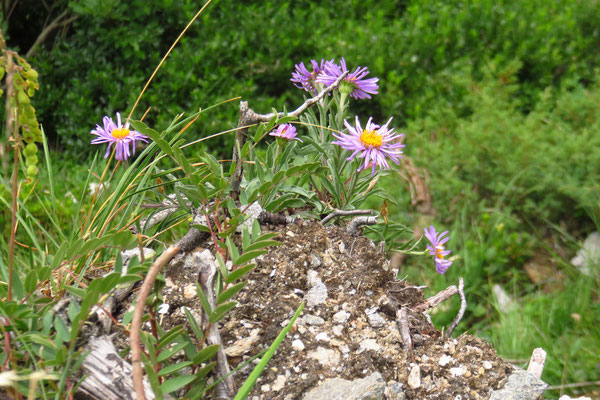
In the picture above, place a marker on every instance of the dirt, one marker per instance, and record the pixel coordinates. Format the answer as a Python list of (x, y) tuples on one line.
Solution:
[(352, 333)]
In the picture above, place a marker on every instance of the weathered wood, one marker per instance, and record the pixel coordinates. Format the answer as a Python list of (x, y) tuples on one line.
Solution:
[(107, 375)]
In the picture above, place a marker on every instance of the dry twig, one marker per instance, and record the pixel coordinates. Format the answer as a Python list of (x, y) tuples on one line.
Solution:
[(462, 309), (402, 319), (536, 363), (190, 240), (357, 222), (436, 299), (337, 213)]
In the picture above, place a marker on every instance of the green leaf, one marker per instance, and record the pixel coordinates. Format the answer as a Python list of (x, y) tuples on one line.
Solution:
[(205, 354), (205, 370), (232, 249), (220, 311), (262, 244), (176, 383), (238, 273), (62, 330), (174, 368), (76, 291), (247, 256), (230, 292), (155, 136), (31, 281), (168, 353), (193, 323), (169, 336)]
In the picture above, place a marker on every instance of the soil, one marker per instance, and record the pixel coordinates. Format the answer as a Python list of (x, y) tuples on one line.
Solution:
[(349, 332)]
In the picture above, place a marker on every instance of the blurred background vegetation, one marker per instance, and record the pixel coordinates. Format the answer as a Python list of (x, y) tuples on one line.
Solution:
[(499, 101)]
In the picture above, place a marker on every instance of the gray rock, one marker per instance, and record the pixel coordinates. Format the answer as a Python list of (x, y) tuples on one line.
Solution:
[(521, 385), (369, 388), (341, 316), (375, 319), (565, 397), (313, 320)]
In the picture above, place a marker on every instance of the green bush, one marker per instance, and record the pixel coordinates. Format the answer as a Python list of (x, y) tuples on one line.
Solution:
[(249, 49)]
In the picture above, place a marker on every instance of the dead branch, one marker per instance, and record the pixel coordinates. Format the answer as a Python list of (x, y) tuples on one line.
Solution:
[(225, 389), (249, 117), (436, 299), (536, 363), (337, 213), (402, 320), (266, 217), (357, 222), (461, 310), (58, 22), (107, 375), (188, 242)]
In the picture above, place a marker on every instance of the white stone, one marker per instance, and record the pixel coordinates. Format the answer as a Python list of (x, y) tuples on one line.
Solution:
[(316, 295), (487, 365), (458, 371), (444, 360), (322, 337), (368, 344), (279, 383), (298, 345), (326, 357), (341, 317), (414, 377), (338, 330)]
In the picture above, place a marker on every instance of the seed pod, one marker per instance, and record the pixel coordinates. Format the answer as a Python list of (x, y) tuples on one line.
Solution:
[(32, 171), (22, 97), (31, 149), (31, 160)]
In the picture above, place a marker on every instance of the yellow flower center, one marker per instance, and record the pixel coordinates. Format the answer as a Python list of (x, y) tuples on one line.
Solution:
[(120, 133), (371, 138), (438, 252)]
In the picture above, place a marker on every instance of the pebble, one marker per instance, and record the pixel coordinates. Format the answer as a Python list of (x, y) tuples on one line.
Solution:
[(322, 337), (298, 345), (316, 295), (445, 360), (326, 357), (315, 261), (313, 320), (368, 344), (338, 330), (458, 371), (487, 365), (414, 377), (341, 317), (279, 383), (376, 320)]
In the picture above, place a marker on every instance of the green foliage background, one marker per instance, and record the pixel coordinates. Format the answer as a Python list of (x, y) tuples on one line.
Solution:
[(498, 99)]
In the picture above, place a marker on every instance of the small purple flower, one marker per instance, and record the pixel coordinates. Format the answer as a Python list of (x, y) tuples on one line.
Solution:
[(286, 131), (119, 135), (304, 79), (374, 144), (353, 83), (437, 249)]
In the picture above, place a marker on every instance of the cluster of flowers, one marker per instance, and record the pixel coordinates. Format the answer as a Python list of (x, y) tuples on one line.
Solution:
[(375, 144)]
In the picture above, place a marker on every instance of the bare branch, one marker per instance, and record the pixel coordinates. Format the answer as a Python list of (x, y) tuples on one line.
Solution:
[(225, 388), (190, 240), (337, 213), (536, 363), (57, 23), (573, 385), (402, 320), (436, 299), (461, 311), (353, 226)]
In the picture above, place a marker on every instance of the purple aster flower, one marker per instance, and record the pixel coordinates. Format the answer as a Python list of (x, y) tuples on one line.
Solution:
[(304, 79), (119, 135), (286, 131), (374, 144), (437, 249), (353, 83)]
